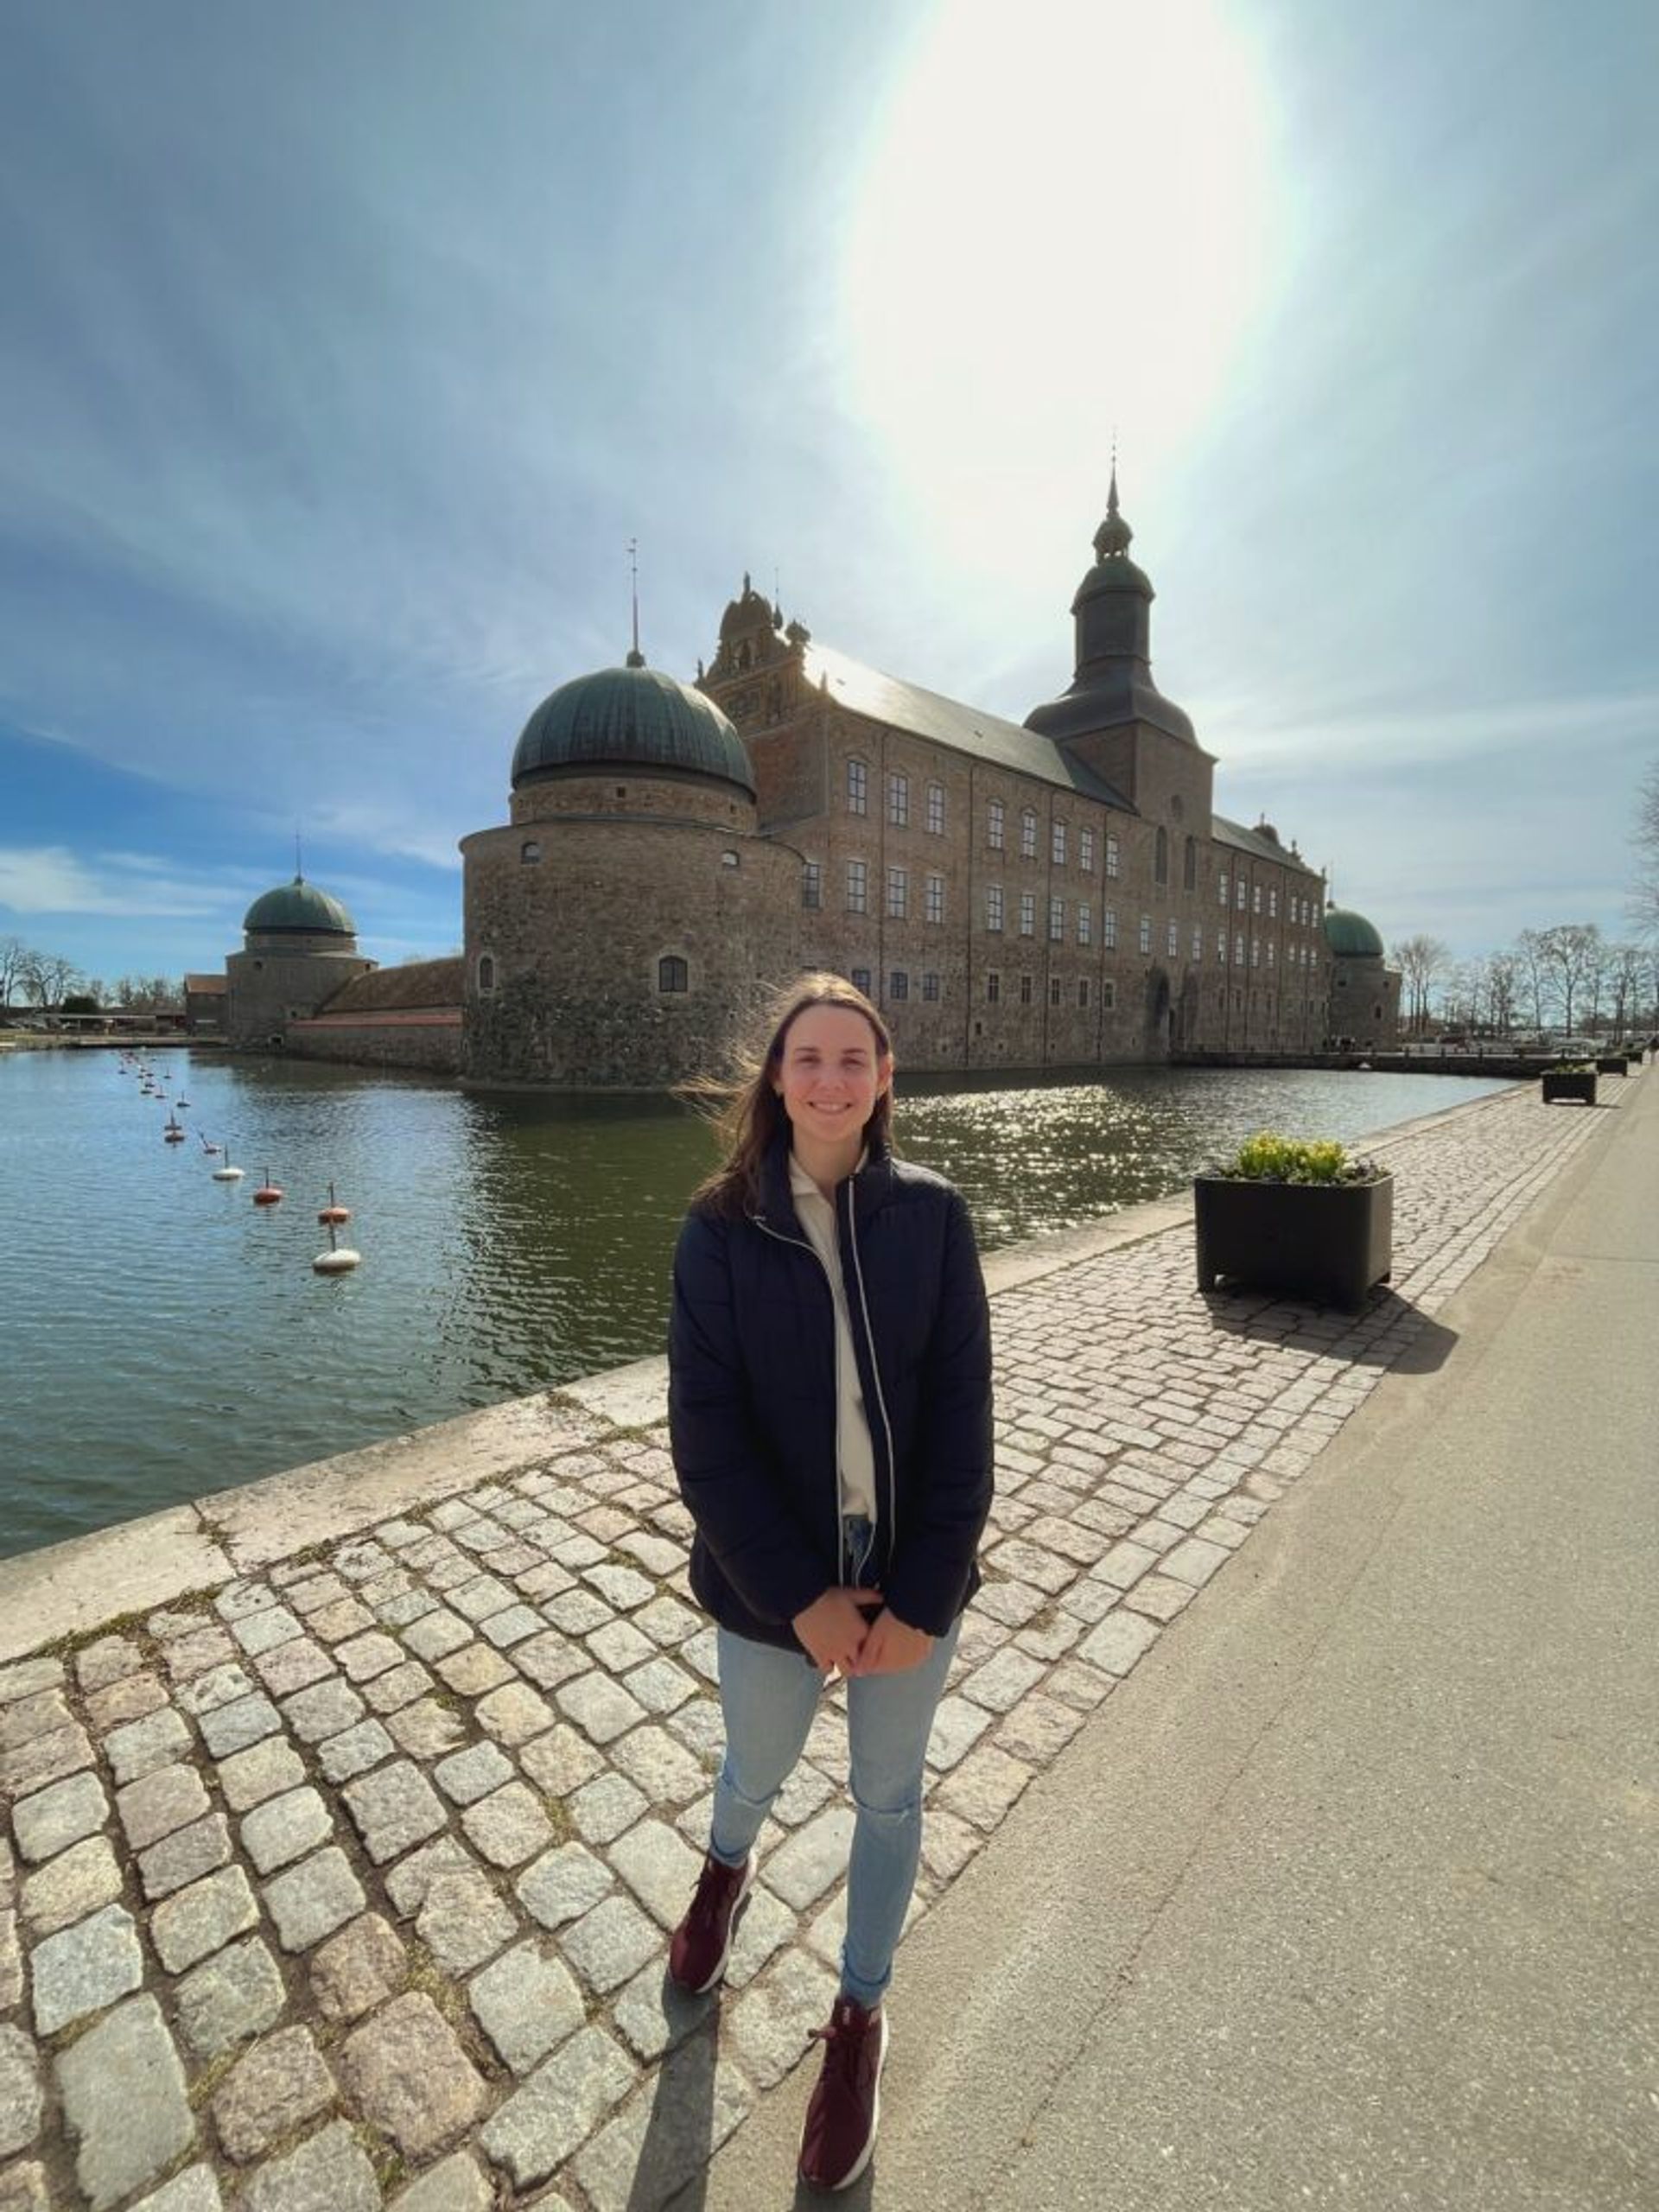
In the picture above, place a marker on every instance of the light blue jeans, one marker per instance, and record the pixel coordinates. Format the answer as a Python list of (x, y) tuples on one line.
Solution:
[(768, 1698)]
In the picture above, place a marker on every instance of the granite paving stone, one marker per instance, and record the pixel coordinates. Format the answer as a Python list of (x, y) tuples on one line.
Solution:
[(285, 1828), (21, 2098), (405, 2071), (408, 1882), (652, 2015), (426, 1730), (514, 1713), (22, 2188), (249, 1778), (619, 1645), (196, 2189), (170, 1798), (358, 1970), (124, 2103), (354, 1750), (562, 1885), (219, 1685), (609, 1943), (661, 2138), (664, 1770), (462, 1920), (43, 1759), (203, 1918), (484, 1595), (364, 1657), (325, 1709), (61, 1814), (603, 1808), (435, 1635), (392, 1808), (128, 1699), (29, 1717), (957, 1727), (316, 1590), (772, 2021), (236, 1993), (457, 2183), (181, 1857), (526, 2001), (625, 1588), (27, 1677), (599, 1707), (264, 1631), (291, 1667), (1120, 1640), (578, 1612), (239, 1600), (71, 1885), (399, 1687), (194, 1652), (232, 1728), (815, 1856), (142, 1746), (660, 1870), (329, 2172), (549, 1659), (345, 1617), (559, 2106), (311, 1900), (280, 2084), (511, 1626), (476, 1668), (509, 1825), (84, 1968), (467, 1776)]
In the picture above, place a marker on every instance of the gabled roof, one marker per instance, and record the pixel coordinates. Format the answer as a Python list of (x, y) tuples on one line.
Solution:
[(206, 987), (948, 721), (1258, 847)]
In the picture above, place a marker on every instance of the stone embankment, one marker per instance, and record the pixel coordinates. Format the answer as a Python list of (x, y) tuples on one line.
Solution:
[(340, 1873)]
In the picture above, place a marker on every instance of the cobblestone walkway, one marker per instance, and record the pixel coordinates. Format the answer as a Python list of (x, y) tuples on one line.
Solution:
[(350, 1885)]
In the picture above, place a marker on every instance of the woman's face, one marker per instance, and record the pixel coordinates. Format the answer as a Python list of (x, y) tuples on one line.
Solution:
[(831, 1074)]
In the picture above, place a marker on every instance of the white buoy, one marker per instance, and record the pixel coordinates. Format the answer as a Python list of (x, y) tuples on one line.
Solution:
[(339, 1258), (227, 1173)]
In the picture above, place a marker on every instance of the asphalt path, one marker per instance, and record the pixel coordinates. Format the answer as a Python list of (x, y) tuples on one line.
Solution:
[(1349, 1896)]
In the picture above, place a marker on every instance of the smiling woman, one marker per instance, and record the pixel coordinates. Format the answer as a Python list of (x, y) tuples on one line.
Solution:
[(1061, 224)]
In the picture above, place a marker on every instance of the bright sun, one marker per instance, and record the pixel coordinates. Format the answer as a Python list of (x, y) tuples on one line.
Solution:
[(1061, 229)]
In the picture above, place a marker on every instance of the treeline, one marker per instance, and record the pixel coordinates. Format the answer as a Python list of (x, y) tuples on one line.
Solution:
[(1569, 978), (54, 984)]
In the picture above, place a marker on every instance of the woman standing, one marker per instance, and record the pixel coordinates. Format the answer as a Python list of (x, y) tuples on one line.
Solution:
[(831, 1411)]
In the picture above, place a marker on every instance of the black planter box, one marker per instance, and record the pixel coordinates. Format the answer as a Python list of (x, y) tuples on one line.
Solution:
[(1328, 1242), (1579, 1086), (1611, 1064)]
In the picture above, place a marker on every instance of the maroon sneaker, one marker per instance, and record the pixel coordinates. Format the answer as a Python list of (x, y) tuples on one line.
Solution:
[(846, 2107), (703, 1943)]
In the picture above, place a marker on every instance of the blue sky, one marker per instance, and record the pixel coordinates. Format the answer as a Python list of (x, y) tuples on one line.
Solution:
[(347, 346)]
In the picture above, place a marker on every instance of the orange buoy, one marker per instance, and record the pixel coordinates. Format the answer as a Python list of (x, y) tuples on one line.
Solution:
[(332, 1213), (267, 1194)]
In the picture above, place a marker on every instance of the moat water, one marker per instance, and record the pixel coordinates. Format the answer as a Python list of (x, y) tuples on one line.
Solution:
[(164, 1337)]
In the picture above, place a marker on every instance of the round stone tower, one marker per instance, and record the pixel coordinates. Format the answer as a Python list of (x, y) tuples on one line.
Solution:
[(299, 946), (621, 928), (1365, 1007)]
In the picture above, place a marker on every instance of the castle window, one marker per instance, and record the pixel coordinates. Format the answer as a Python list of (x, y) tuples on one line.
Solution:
[(1111, 854), (996, 815), (935, 898), (485, 974), (1256, 952), (1108, 928), (898, 800), (898, 892), (992, 906), (936, 809), (1145, 932), (531, 850), (858, 786), (1083, 994), (858, 877), (993, 988), (1220, 946), (1028, 833), (729, 859), (1172, 943), (1083, 921), (860, 980), (1238, 950), (1024, 990), (1027, 913), (1272, 903), (1190, 865), (1160, 857), (1256, 903), (1273, 952), (898, 984), (1056, 921), (1221, 886), (1198, 941), (1107, 994), (1243, 891), (1053, 990), (812, 883), (1086, 851), (672, 973), (1056, 844), (930, 985)]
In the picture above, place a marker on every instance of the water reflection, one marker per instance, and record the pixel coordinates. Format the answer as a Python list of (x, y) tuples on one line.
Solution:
[(167, 1338)]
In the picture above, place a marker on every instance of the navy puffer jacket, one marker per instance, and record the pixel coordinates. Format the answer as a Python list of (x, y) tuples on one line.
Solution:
[(752, 1398)]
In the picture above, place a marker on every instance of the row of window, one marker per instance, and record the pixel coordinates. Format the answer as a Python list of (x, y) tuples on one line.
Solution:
[(898, 988), (1298, 912), (858, 798)]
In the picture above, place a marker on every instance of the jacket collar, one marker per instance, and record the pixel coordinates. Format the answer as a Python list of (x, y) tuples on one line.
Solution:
[(871, 1184)]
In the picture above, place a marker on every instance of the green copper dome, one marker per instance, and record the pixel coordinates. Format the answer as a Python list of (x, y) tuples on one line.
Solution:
[(1350, 937), (631, 718), (299, 908)]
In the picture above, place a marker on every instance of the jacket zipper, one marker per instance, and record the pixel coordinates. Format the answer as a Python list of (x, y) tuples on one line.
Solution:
[(869, 1344)]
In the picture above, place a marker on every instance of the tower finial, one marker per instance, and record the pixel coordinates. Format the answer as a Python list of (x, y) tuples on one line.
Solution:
[(1114, 535), (299, 867), (636, 659)]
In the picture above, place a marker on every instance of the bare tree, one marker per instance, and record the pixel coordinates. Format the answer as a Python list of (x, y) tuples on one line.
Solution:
[(1502, 975), (1644, 898), (49, 978), (1625, 967), (1419, 960), (1570, 953), (14, 961), (1533, 974)]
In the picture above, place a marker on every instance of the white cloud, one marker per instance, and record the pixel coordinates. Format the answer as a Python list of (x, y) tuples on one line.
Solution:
[(51, 880)]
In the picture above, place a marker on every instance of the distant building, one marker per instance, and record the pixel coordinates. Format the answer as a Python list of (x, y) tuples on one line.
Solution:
[(204, 999), (1058, 893)]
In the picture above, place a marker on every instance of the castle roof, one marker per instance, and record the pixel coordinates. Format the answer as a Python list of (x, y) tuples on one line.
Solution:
[(630, 718), (298, 909), (1350, 937), (948, 721), (1260, 844)]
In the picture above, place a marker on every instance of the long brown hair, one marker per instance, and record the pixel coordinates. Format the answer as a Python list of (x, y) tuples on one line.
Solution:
[(748, 1115)]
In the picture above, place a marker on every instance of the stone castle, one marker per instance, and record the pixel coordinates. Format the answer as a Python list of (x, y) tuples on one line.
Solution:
[(1055, 893)]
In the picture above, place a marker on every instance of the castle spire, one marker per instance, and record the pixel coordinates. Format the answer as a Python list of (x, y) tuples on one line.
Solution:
[(636, 659)]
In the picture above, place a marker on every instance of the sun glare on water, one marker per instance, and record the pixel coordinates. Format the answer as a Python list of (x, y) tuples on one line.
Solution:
[(1061, 228)]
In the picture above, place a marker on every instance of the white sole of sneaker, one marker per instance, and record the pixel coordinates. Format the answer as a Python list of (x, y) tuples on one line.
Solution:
[(869, 2152)]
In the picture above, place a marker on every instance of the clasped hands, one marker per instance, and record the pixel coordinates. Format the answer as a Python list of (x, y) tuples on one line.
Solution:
[(840, 1638)]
